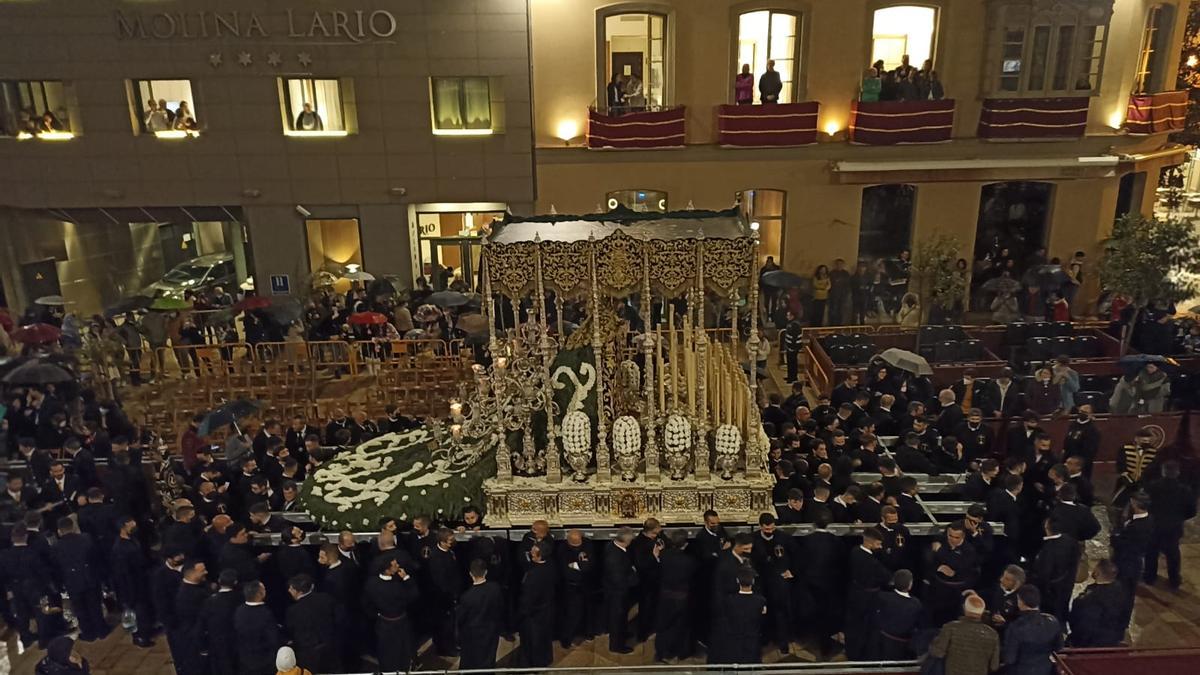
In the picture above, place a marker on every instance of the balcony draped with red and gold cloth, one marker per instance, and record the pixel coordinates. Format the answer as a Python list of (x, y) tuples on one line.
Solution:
[(896, 122), (1012, 118), (637, 130), (1156, 113), (760, 126)]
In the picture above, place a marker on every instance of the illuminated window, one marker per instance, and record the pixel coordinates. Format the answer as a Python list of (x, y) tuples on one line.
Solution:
[(903, 30), (34, 108), (313, 107), (449, 246), (770, 36), (164, 108), (886, 221), (468, 106), (333, 244), (768, 208), (1042, 48), (1155, 38), (635, 66), (638, 200)]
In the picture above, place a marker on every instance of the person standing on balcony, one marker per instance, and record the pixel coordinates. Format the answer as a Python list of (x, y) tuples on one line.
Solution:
[(743, 86), (871, 84), (769, 85), (616, 95)]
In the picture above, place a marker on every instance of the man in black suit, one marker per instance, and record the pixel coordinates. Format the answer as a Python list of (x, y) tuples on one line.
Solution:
[(576, 559), (845, 392), (1097, 615), (165, 581), (1003, 396), (445, 584), (299, 430), (619, 579), (644, 551), (674, 631), (980, 484), (1083, 438), (1085, 493), (793, 511), (741, 639), (977, 438), (886, 422), (75, 554), (775, 559), (535, 612), (907, 503), (868, 576), (237, 555), (1002, 598), (127, 576), (189, 619), (1004, 506), (968, 392), (25, 579), (950, 413), (953, 568), (1054, 569), (59, 492), (342, 580), (83, 464), (817, 507), (312, 621), (220, 637), (824, 569), (1031, 638), (17, 496), (869, 509), (911, 458), (897, 618), (842, 506), (386, 599), (773, 413), (1022, 435), (1130, 542), (479, 618), (1172, 503), (1072, 519), (257, 635), (895, 537)]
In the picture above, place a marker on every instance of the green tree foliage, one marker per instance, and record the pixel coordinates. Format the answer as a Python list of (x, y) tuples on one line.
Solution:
[(1189, 77), (1149, 260), (933, 268)]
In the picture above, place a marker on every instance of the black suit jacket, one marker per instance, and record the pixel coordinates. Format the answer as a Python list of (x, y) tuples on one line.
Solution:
[(312, 622), (1003, 508), (257, 638), (1172, 503), (619, 574)]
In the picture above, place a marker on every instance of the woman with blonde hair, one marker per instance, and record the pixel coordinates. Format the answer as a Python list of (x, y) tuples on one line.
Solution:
[(909, 315)]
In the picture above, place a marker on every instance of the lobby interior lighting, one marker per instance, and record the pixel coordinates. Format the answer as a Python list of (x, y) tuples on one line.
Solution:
[(56, 135), (1116, 119), (176, 133), (832, 127), (316, 134), (462, 132)]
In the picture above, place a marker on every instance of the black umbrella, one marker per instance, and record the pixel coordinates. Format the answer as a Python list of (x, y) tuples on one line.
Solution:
[(1132, 363), (448, 299), (227, 414), (127, 305), (784, 279), (284, 311), (38, 372)]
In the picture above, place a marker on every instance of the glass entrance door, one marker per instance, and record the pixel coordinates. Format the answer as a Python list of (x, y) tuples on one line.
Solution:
[(450, 263)]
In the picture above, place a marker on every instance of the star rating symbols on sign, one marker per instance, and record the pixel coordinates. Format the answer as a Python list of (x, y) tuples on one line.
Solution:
[(245, 59), (304, 58), (274, 59), (214, 59)]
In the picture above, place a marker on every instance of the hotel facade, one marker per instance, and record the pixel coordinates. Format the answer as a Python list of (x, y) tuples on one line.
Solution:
[(317, 136)]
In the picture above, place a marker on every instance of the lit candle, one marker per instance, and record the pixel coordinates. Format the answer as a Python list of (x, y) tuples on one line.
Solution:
[(689, 365), (501, 362), (455, 409), (479, 370), (456, 431)]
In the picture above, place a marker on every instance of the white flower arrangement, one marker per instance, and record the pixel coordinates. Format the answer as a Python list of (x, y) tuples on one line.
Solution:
[(576, 431), (677, 433), (627, 435), (728, 440)]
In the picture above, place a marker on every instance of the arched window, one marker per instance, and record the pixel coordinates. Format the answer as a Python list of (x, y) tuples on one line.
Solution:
[(1156, 38), (633, 48), (766, 35), (886, 220), (768, 208), (638, 200), (1043, 48), (904, 30)]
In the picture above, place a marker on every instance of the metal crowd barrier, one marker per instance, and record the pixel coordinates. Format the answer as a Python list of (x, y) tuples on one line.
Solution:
[(821, 668)]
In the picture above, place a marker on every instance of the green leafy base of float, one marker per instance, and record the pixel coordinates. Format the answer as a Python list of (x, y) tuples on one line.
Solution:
[(395, 475)]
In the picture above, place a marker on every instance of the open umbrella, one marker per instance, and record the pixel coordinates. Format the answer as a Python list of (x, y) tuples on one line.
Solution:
[(51, 301), (37, 373), (1001, 284), (1049, 277), (168, 304), (783, 279), (367, 319), (359, 275), (251, 302), (36, 334), (284, 310), (1134, 362), (226, 414), (473, 324), (427, 313), (905, 360), (126, 305), (448, 299)]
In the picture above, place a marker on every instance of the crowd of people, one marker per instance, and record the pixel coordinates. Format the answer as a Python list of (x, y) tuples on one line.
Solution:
[(27, 121), (905, 82), (160, 117), (196, 569)]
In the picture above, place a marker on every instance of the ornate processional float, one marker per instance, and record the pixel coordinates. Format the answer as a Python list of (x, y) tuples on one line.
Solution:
[(627, 416)]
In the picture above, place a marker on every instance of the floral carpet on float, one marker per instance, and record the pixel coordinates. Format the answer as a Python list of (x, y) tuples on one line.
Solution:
[(397, 475)]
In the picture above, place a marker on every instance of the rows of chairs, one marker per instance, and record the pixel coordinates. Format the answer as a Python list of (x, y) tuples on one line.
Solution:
[(1075, 346), (849, 350), (952, 351), (1019, 333)]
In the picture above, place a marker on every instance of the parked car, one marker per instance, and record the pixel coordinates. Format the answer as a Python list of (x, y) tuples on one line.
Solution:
[(201, 273)]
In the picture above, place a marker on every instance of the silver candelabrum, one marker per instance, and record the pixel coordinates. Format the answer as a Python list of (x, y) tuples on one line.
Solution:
[(503, 400)]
